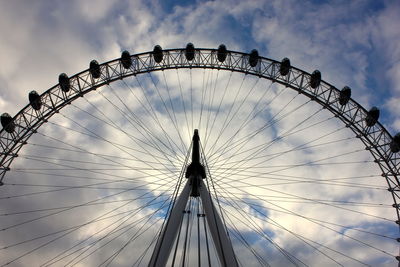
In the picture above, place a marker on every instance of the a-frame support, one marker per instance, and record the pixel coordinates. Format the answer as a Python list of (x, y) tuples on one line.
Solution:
[(194, 187)]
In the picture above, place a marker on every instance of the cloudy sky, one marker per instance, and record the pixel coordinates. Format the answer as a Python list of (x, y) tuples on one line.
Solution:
[(353, 43)]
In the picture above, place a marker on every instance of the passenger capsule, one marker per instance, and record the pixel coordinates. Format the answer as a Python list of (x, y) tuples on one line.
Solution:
[(158, 54), (34, 100), (315, 79), (222, 53), (285, 67), (372, 116), (63, 80), (253, 58), (395, 144), (7, 122), (189, 52), (94, 69), (126, 60), (344, 95)]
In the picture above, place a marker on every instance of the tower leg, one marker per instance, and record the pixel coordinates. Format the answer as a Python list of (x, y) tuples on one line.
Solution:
[(166, 240), (218, 232)]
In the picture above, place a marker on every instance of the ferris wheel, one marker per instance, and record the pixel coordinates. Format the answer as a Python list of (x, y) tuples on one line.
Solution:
[(197, 157)]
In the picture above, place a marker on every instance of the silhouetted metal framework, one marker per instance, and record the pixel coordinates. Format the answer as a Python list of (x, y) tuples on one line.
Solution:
[(194, 187), (376, 138)]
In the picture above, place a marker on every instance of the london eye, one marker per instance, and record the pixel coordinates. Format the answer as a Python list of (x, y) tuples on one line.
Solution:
[(197, 157)]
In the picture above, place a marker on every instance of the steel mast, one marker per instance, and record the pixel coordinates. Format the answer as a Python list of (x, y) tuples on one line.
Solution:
[(194, 187)]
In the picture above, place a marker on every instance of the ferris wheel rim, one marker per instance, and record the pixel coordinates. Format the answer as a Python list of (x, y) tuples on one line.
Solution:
[(376, 138)]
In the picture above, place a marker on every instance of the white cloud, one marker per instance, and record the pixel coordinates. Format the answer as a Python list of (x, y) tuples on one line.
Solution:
[(56, 37), (94, 12)]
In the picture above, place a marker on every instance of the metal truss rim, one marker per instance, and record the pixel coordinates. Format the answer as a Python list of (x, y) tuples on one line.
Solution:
[(376, 138)]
